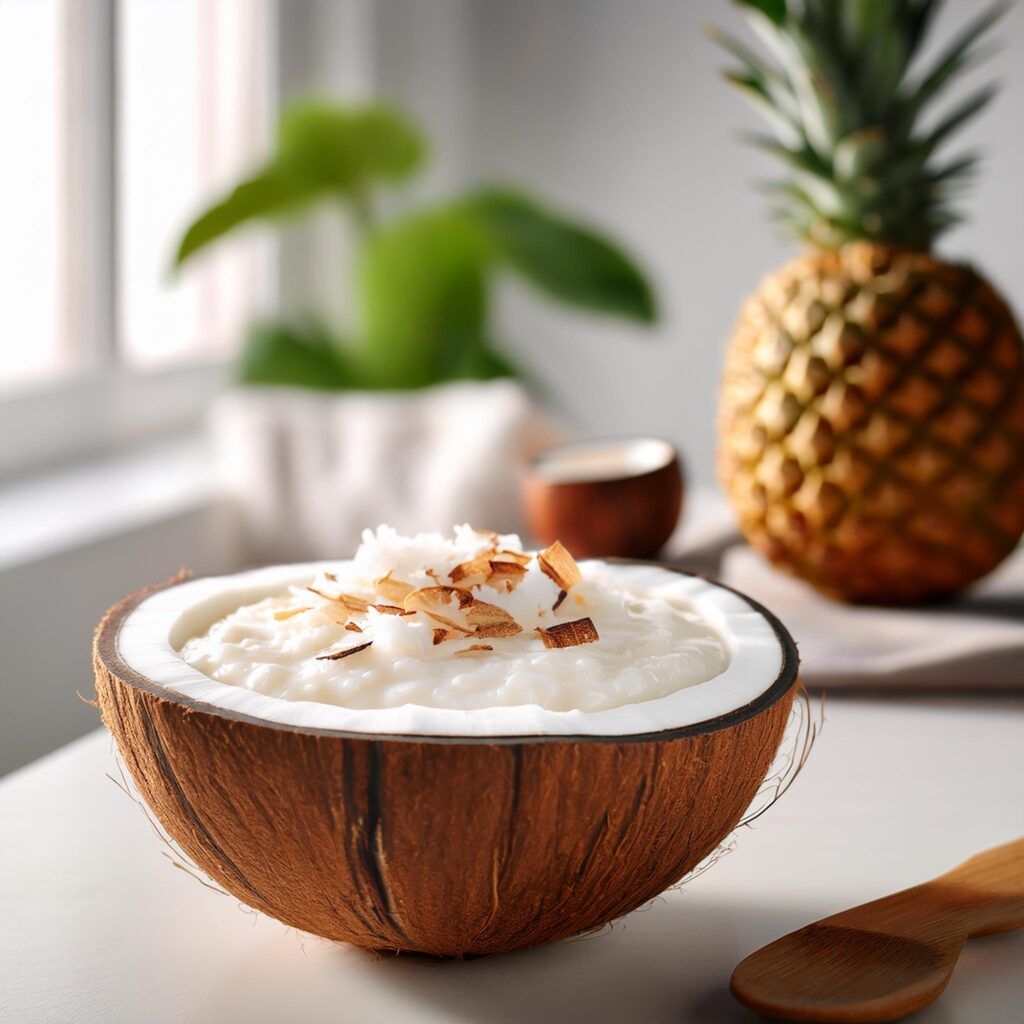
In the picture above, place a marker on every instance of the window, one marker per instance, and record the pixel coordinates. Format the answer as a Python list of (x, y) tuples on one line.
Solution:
[(120, 119), (189, 112), (31, 345)]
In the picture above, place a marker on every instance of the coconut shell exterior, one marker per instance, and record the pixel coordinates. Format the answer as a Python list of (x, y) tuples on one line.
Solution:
[(443, 846)]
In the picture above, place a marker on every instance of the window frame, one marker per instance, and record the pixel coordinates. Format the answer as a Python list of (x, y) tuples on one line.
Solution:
[(102, 403)]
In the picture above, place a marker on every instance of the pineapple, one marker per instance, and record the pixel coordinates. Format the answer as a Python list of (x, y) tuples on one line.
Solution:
[(871, 426)]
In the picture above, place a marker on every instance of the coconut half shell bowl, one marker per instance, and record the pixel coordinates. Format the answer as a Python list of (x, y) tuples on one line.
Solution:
[(440, 844)]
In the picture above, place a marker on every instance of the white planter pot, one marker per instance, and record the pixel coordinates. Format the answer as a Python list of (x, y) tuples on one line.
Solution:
[(309, 471)]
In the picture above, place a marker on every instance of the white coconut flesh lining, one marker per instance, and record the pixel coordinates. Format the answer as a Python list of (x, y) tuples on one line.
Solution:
[(153, 633)]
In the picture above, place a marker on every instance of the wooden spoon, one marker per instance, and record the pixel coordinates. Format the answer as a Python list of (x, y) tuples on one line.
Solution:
[(888, 958)]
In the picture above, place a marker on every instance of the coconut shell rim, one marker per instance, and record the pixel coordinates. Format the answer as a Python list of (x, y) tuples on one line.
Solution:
[(107, 653)]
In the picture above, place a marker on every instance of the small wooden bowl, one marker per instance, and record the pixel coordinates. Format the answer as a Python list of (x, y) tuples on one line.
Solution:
[(609, 497)]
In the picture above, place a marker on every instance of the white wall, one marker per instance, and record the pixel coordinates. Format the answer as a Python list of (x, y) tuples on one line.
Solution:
[(616, 109), (49, 607)]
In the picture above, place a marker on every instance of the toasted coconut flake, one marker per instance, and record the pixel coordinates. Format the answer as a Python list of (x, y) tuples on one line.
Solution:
[(559, 566), (350, 601), (289, 613), (498, 629), (569, 634), (518, 557), (505, 576), (339, 616), (579, 599), (333, 610), (448, 623), (442, 604), (429, 598), (390, 609), (492, 535), (474, 649), (440, 635), (474, 572), (353, 628), (396, 591), (562, 594), (337, 655), (490, 620)]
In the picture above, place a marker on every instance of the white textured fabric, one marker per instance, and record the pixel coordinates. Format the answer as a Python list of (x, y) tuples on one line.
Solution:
[(975, 642), (308, 471)]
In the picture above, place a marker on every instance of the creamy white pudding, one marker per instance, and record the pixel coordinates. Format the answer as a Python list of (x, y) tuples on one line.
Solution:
[(466, 622)]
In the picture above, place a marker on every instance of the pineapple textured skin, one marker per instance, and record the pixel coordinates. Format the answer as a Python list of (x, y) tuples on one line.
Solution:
[(871, 427)]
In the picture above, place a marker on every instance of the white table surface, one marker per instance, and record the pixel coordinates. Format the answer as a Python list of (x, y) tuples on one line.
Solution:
[(97, 926)]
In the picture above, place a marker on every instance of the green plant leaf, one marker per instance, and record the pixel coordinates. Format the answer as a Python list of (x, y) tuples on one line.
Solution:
[(566, 260), (422, 295), (269, 193), (484, 363), (955, 58), (773, 10), (858, 154), (955, 119), (764, 87), (323, 151), (921, 13), (786, 129), (286, 354), (348, 148)]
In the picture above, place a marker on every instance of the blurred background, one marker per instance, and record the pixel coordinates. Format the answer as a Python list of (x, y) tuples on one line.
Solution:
[(123, 119)]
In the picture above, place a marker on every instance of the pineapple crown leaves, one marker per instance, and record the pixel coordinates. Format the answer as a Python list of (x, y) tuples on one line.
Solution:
[(849, 115)]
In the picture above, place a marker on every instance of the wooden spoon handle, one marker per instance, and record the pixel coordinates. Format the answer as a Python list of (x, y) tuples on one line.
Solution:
[(1002, 866), (986, 892), (981, 896)]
